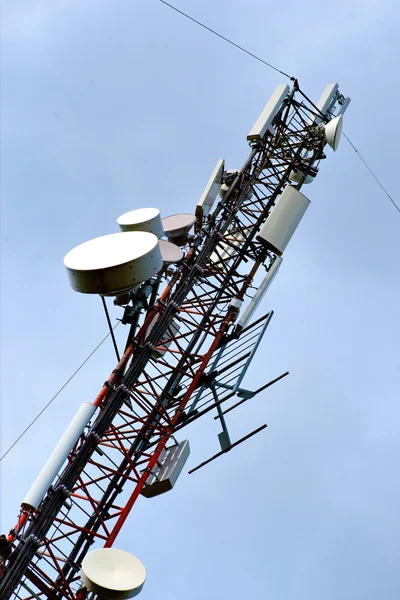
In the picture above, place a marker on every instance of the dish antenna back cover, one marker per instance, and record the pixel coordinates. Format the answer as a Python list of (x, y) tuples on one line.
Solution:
[(170, 253), (113, 574), (177, 227), (113, 263), (142, 219)]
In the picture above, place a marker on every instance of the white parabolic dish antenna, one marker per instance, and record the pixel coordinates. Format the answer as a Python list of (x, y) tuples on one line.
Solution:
[(142, 219), (113, 574), (170, 253), (176, 227), (333, 131), (113, 263)]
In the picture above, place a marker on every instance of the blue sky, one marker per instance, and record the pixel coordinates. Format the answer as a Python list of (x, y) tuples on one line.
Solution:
[(110, 106)]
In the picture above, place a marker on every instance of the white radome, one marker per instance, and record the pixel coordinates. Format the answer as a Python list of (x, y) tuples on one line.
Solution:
[(142, 219), (113, 574), (113, 263), (333, 132)]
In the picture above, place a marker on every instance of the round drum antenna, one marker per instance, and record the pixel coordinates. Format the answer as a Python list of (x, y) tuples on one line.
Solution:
[(142, 219), (113, 263), (333, 131), (113, 574)]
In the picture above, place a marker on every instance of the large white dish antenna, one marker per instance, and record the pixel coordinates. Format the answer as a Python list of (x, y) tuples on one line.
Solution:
[(333, 131), (142, 219), (177, 227), (113, 574), (170, 253), (113, 263)]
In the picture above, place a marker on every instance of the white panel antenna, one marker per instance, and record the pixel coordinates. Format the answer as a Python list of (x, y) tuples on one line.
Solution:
[(270, 111), (283, 220), (327, 100), (167, 470), (260, 293), (210, 193)]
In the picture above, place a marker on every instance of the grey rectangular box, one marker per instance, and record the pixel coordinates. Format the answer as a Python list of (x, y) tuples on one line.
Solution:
[(167, 470)]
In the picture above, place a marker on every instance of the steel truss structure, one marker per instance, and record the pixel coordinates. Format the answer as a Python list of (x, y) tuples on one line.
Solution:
[(150, 393)]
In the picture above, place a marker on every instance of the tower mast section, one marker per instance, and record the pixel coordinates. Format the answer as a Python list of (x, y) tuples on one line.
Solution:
[(150, 394)]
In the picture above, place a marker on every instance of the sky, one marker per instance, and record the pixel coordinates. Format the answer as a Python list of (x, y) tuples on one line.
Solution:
[(110, 106)]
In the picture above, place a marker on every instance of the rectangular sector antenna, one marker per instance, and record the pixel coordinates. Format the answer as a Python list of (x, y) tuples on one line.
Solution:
[(283, 220), (264, 121), (167, 470), (327, 99), (211, 190)]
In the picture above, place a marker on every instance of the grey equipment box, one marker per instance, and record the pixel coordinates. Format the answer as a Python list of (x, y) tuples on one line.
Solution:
[(167, 470)]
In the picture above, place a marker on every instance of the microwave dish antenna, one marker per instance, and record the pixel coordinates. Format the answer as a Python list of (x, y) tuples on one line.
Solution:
[(177, 227), (142, 219), (333, 132), (113, 574), (170, 253), (113, 263)]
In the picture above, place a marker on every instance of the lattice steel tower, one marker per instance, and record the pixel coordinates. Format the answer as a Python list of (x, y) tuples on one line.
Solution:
[(186, 353)]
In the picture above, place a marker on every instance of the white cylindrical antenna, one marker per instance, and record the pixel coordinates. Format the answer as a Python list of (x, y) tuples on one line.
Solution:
[(210, 193), (142, 219), (114, 263), (260, 293), (283, 220), (113, 574), (58, 456), (270, 111)]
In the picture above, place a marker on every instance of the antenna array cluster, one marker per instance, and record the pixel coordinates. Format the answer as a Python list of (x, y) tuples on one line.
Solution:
[(187, 352)]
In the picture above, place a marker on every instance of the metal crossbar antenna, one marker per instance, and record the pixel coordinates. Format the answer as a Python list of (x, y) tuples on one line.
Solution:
[(146, 398)]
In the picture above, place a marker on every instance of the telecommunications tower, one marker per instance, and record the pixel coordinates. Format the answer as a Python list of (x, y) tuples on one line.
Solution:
[(188, 302)]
